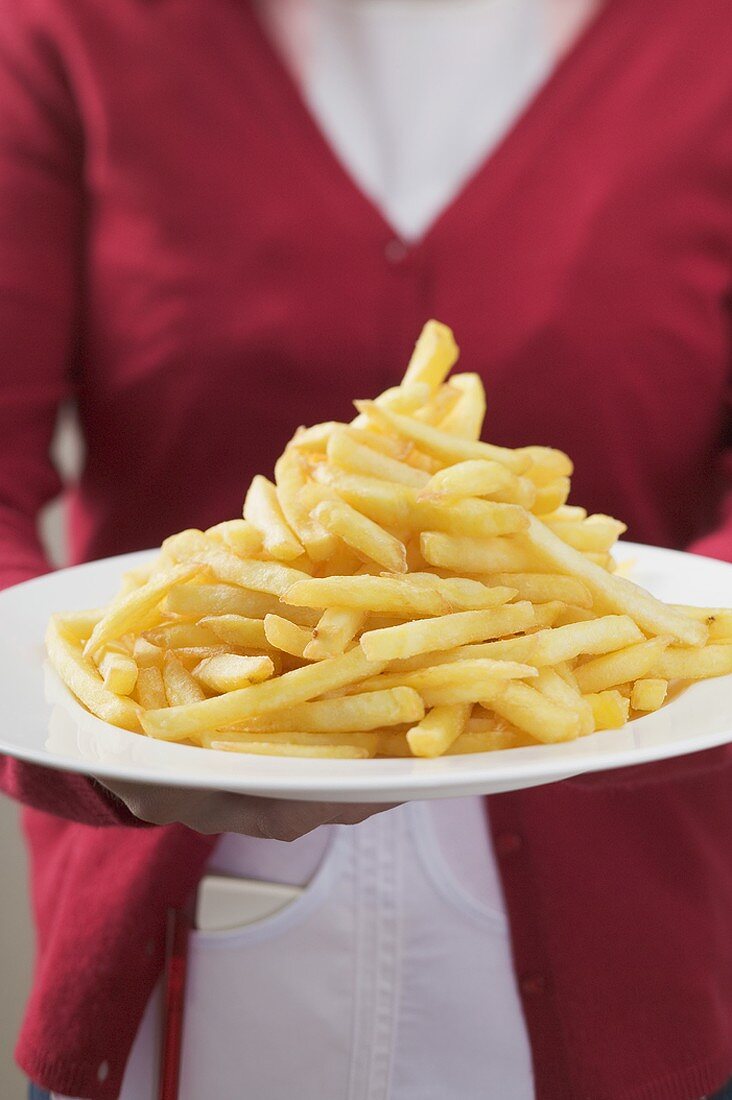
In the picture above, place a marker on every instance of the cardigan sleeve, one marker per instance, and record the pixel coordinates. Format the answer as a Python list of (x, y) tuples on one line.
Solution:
[(41, 210)]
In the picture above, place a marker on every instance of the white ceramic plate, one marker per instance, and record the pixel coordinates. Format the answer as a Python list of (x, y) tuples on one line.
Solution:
[(43, 723)]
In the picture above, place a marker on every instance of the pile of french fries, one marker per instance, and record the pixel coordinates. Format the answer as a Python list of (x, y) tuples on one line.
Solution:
[(401, 589)]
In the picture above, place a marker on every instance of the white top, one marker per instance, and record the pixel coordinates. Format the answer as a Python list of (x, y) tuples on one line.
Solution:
[(413, 95), (391, 976)]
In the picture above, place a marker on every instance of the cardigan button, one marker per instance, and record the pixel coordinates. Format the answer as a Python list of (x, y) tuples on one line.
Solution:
[(533, 984), (103, 1071), (395, 251), (507, 844)]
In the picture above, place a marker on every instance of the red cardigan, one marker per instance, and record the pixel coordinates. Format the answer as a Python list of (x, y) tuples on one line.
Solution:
[(182, 255)]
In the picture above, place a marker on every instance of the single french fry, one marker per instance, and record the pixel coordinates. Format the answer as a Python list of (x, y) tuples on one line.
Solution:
[(80, 623), (526, 707), (545, 587), (434, 355), (648, 694), (384, 502), (199, 601), (366, 538), (547, 463), (616, 593), (445, 631), (480, 519), (287, 636), (551, 496), (345, 452), (348, 713), (176, 635), (118, 671), (239, 535), (180, 686), (609, 708), (489, 740), (393, 595), (291, 477), (465, 418), (471, 555), (596, 533), (277, 748), (263, 510), (126, 613), (146, 654), (563, 691), (433, 441), (718, 620), (150, 689), (81, 676), (230, 671), (438, 730), (336, 627), (620, 667), (474, 478), (370, 741), (260, 576), (682, 663), (459, 682), (285, 691), (237, 630)]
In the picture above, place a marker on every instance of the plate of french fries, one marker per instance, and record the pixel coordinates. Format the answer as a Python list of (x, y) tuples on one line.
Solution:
[(402, 611)]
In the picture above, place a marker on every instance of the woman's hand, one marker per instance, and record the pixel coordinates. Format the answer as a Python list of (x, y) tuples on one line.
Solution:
[(221, 812)]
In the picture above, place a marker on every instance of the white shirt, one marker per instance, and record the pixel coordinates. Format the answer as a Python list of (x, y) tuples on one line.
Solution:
[(391, 976)]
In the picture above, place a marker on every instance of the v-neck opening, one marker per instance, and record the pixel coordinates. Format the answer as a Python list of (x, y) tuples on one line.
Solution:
[(345, 190)]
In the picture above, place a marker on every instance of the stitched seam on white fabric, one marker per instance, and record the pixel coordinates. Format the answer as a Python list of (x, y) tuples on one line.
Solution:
[(438, 870), (388, 857), (291, 915), (364, 893)]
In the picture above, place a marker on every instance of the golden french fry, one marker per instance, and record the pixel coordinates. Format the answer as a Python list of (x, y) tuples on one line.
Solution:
[(285, 691), (551, 496), (370, 741), (237, 630), (390, 595), (126, 613), (718, 620), (150, 689), (489, 740), (348, 713), (547, 463), (479, 519), (648, 694), (445, 631), (434, 355), (80, 623), (682, 663), (336, 627), (438, 730), (439, 405), (287, 636), (564, 691), (596, 533), (465, 418), (260, 576), (345, 452), (616, 593), (530, 710), (609, 708), (291, 477), (146, 654), (546, 587), (474, 478), (180, 686), (231, 672), (80, 675), (263, 510), (176, 635), (433, 441), (620, 667), (365, 537), (384, 502), (470, 555), (239, 535), (118, 671), (459, 682)]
